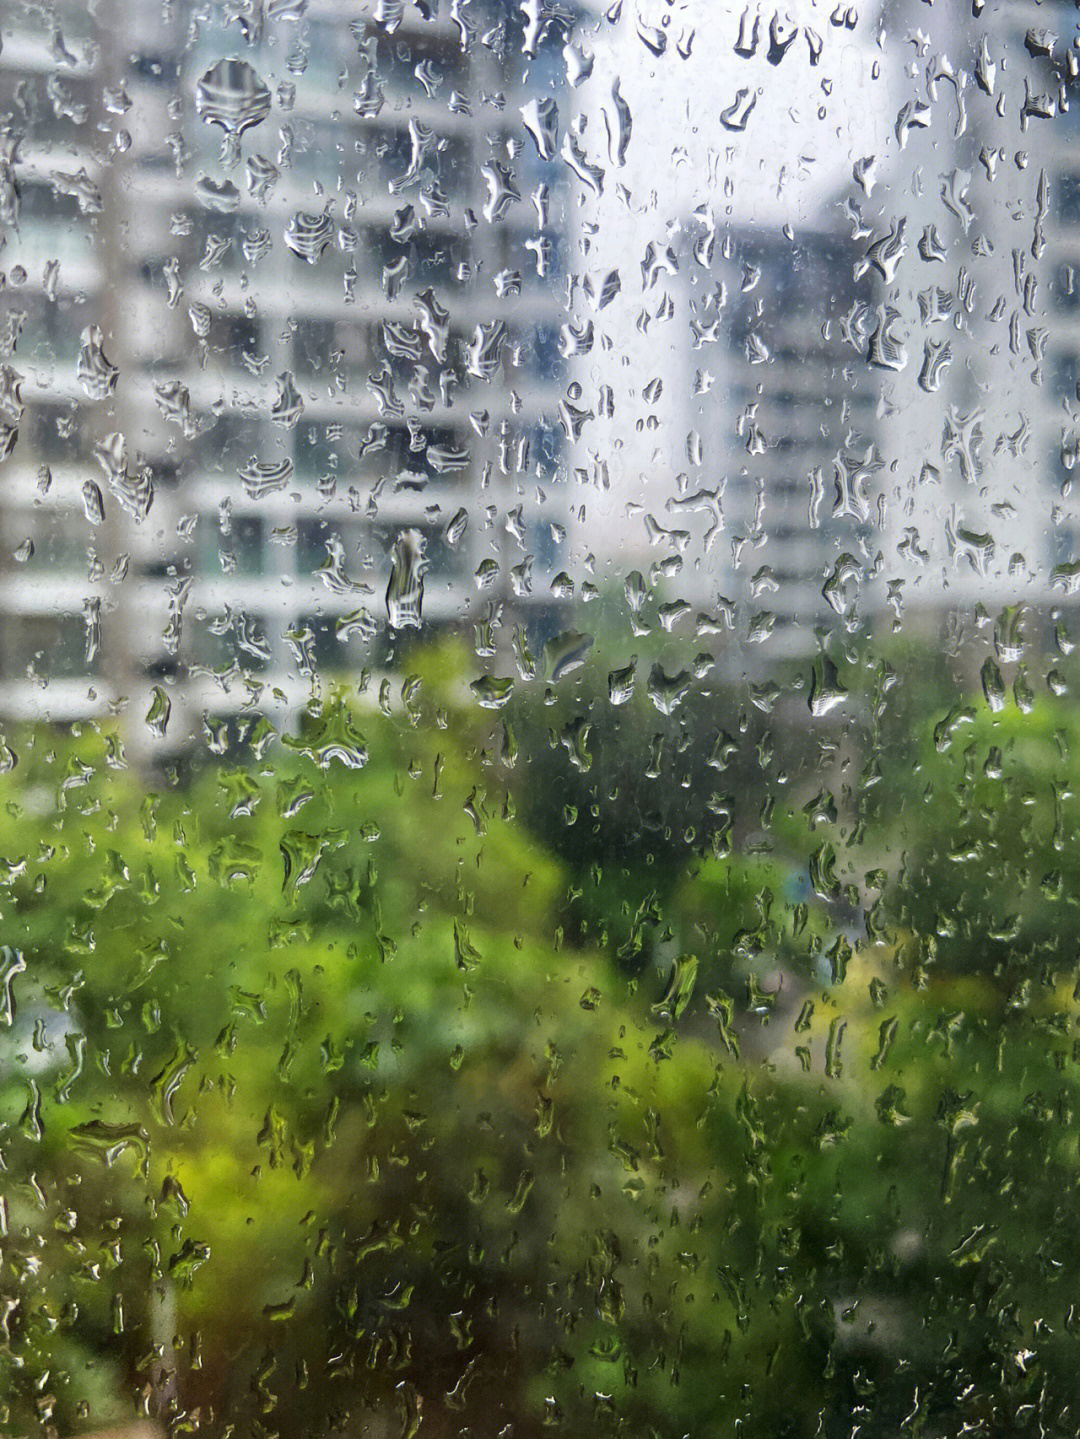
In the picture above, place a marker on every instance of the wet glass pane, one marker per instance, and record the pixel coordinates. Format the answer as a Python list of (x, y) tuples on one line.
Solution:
[(538, 750)]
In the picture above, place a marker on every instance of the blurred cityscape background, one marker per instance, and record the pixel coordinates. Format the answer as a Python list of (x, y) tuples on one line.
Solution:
[(538, 853), (799, 362)]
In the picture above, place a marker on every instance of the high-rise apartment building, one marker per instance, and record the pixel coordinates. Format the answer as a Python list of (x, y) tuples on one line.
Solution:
[(738, 432), (855, 336), (893, 380), (781, 429), (974, 240), (279, 318)]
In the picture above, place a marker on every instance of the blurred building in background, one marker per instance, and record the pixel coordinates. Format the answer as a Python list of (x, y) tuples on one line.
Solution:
[(279, 325), (781, 428), (895, 394), (300, 303), (848, 392), (965, 219)]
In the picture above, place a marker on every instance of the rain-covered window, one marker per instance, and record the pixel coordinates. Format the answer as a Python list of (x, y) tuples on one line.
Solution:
[(539, 759)]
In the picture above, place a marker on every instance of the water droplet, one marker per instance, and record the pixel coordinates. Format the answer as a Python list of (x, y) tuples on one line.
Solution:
[(262, 176), (93, 502), (261, 478), (619, 123), (108, 1141), (287, 406), (737, 114), (157, 716), (230, 94), (492, 692), (307, 236), (621, 683), (405, 591), (96, 375), (993, 685), (666, 691), (541, 119), (174, 401), (220, 197), (485, 349), (937, 357), (565, 653), (456, 526), (749, 34), (826, 691)]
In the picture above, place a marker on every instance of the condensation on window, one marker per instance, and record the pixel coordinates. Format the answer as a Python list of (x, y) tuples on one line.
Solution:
[(538, 770)]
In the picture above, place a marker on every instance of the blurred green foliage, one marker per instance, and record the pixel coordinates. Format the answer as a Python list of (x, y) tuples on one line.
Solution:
[(433, 1070)]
